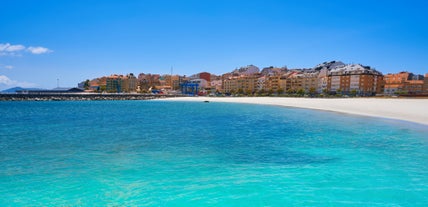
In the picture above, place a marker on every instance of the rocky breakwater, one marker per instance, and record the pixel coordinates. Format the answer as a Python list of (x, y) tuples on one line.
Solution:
[(80, 97)]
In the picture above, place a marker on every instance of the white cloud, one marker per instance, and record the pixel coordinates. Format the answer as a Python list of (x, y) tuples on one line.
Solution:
[(6, 83), (14, 48), (4, 46), (6, 49), (38, 50)]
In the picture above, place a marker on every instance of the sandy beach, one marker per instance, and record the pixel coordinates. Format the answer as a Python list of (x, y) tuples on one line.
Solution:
[(412, 110)]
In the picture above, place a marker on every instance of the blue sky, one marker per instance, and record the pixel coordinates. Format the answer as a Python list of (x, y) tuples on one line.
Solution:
[(74, 40)]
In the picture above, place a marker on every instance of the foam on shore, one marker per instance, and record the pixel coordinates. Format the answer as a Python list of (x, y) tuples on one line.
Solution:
[(413, 110)]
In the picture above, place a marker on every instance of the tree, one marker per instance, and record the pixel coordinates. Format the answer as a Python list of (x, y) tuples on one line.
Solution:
[(401, 92), (249, 92), (261, 91), (103, 88), (280, 91), (339, 92), (290, 91), (232, 91), (86, 84), (301, 92), (353, 92), (240, 91), (325, 91), (312, 91)]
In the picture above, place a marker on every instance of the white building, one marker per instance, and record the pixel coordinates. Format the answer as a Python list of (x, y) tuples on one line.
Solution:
[(202, 83)]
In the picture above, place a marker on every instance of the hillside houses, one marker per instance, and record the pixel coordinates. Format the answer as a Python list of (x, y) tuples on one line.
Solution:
[(328, 78)]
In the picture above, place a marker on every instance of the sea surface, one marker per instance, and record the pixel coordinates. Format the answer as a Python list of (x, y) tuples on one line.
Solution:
[(159, 153)]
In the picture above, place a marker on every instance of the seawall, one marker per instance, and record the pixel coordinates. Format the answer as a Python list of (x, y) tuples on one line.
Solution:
[(80, 97)]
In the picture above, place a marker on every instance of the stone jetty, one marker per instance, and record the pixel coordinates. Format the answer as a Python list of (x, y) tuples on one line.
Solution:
[(81, 97)]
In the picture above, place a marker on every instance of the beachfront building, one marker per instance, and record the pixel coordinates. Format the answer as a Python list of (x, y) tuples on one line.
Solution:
[(299, 81), (129, 83), (322, 85), (240, 84), (394, 83), (293, 82), (310, 81), (216, 85), (261, 84), (176, 80), (202, 83), (403, 83), (229, 85), (355, 79), (414, 87), (121, 84), (114, 84), (273, 83), (248, 84), (171, 82), (425, 87)]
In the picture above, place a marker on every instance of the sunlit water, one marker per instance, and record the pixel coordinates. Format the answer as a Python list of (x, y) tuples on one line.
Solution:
[(156, 153)]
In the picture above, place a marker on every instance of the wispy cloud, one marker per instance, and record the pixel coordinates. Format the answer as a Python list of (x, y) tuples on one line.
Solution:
[(38, 50), (6, 83), (9, 67), (12, 48), (7, 49)]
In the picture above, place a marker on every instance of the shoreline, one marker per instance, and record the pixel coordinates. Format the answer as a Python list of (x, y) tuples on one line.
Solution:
[(411, 110)]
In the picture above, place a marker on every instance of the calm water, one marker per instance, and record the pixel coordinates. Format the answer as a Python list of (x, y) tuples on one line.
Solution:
[(155, 153)]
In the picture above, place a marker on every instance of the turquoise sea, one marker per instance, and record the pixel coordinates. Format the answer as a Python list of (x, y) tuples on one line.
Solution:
[(159, 153)]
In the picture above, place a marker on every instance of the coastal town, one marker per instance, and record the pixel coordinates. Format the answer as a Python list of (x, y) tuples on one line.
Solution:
[(333, 78), (328, 79)]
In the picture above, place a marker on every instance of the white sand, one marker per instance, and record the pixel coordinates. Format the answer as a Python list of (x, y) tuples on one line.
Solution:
[(413, 110)]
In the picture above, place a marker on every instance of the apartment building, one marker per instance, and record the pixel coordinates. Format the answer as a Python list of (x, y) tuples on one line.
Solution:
[(261, 83), (273, 83), (425, 87), (403, 82), (121, 83), (355, 78), (293, 81), (243, 84), (322, 85), (114, 84), (129, 83), (310, 81)]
